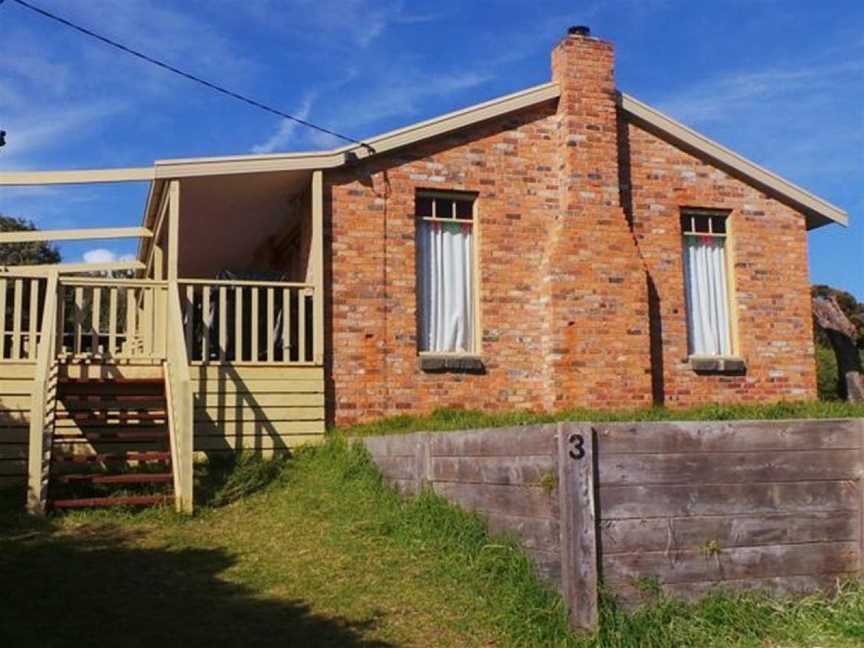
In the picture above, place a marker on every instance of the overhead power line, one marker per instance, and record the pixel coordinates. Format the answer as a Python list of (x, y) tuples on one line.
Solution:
[(186, 75)]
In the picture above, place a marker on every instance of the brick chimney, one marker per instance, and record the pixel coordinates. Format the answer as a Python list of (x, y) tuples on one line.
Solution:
[(584, 68), (598, 345)]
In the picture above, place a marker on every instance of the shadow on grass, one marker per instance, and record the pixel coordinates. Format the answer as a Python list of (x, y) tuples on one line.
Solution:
[(96, 586)]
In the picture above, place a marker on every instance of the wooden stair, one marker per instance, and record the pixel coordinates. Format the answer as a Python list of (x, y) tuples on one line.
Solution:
[(111, 444)]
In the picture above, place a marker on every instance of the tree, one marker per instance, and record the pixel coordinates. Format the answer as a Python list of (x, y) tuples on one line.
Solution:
[(839, 322), (12, 254)]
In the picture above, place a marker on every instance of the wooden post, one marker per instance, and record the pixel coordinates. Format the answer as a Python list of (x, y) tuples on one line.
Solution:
[(861, 498), (422, 462), (158, 261), (173, 229), (579, 578), (4, 285), (38, 445), (318, 266)]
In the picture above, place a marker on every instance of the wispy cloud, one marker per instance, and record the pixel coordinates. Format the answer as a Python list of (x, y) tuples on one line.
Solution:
[(810, 108), (285, 132), (401, 93), (343, 23), (56, 90), (104, 255), (38, 131), (405, 97), (714, 99)]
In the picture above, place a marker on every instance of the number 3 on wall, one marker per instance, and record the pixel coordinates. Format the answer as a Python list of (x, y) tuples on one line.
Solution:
[(577, 446)]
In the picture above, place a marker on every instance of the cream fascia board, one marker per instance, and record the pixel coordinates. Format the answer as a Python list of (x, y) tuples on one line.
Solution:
[(67, 268), (819, 211), (191, 167), (76, 176), (180, 168), (84, 234)]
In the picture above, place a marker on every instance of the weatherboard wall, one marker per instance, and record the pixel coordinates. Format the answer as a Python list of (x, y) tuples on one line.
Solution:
[(16, 387)]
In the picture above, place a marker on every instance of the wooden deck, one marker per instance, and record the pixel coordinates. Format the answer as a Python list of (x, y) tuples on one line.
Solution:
[(240, 363)]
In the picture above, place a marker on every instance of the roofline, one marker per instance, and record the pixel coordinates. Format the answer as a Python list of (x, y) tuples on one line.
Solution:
[(439, 125), (818, 212)]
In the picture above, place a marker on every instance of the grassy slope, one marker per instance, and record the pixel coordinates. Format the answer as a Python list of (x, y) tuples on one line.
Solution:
[(459, 419), (328, 556)]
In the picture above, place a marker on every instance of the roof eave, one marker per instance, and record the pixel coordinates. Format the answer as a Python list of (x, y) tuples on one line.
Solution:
[(178, 168), (817, 212)]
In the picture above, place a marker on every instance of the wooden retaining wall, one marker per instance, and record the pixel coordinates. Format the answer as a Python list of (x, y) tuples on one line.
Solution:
[(765, 504), (508, 475), (689, 506)]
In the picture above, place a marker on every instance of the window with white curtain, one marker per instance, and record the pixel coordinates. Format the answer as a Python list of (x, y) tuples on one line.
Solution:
[(445, 272), (707, 284)]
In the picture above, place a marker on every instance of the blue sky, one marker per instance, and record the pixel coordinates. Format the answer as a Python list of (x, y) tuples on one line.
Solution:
[(781, 82)]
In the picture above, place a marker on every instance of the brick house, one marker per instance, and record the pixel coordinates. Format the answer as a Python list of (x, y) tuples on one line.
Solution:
[(564, 246), (582, 201)]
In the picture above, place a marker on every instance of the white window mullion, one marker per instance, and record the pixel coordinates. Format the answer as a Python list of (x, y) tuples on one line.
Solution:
[(446, 282)]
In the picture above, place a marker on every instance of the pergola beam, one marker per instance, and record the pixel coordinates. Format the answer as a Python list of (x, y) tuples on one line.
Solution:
[(76, 176), (69, 268), (84, 234)]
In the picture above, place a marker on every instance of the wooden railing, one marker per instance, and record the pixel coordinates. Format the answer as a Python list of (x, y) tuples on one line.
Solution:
[(180, 404), (253, 322), (21, 305), (42, 405), (112, 318)]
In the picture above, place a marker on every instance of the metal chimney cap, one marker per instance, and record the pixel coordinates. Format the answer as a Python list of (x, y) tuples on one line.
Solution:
[(579, 30)]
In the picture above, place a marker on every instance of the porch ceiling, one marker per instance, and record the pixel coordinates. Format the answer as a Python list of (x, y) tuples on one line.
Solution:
[(224, 219)]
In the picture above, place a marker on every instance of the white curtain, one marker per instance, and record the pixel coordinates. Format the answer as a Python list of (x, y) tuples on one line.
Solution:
[(707, 298), (446, 269)]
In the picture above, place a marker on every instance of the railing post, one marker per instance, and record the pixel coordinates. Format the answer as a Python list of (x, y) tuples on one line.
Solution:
[(36, 482), (187, 446), (317, 252), (36, 477), (181, 404)]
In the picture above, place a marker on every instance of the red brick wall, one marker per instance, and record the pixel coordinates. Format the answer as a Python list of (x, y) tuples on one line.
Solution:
[(371, 226), (769, 247), (563, 286)]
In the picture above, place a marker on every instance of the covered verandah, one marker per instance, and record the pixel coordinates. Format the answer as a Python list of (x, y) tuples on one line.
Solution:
[(224, 299)]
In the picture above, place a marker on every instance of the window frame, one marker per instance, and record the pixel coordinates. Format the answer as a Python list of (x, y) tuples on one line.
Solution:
[(731, 285), (474, 222)]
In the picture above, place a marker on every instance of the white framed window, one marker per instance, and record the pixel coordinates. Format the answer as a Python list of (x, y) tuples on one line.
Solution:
[(706, 278), (446, 272)]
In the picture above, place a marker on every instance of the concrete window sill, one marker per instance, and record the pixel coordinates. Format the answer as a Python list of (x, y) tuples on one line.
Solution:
[(717, 364), (454, 363)]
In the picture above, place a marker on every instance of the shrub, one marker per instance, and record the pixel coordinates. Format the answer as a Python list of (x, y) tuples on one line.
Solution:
[(826, 373)]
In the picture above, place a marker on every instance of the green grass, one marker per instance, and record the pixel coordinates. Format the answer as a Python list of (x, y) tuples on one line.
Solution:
[(462, 419), (317, 551)]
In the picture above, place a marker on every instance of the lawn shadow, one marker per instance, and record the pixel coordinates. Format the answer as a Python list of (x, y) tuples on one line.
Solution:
[(96, 586)]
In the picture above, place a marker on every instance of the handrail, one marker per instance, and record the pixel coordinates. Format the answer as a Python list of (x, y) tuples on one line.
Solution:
[(36, 486), (107, 281), (245, 282), (181, 405)]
